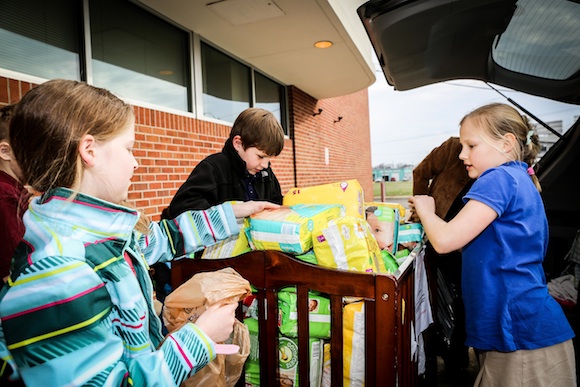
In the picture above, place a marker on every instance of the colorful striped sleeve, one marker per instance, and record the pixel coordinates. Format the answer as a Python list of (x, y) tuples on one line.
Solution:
[(184, 352), (188, 233)]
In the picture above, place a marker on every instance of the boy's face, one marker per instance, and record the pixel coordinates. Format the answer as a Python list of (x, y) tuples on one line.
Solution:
[(382, 230), (255, 159)]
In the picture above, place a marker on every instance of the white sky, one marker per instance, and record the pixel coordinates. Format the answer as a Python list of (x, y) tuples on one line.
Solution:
[(407, 125)]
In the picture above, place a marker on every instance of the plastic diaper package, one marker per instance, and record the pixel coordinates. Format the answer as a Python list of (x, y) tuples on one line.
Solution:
[(402, 211), (252, 366), (410, 234), (308, 257), (289, 229), (384, 220), (229, 247), (353, 353), (348, 193), (347, 243), (288, 359), (318, 314)]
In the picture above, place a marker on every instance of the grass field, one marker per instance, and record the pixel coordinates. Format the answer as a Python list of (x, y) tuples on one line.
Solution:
[(394, 188)]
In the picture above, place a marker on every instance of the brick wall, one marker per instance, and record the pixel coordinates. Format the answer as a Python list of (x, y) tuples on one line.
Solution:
[(346, 141), (169, 145)]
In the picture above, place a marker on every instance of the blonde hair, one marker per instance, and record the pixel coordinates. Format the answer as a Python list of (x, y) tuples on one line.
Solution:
[(498, 119), (259, 128)]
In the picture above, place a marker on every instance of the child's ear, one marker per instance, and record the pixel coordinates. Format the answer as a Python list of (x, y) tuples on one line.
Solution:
[(87, 150), (237, 143), (509, 142), (6, 151)]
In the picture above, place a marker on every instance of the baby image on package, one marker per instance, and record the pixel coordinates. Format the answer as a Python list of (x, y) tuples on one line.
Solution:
[(318, 314), (384, 221)]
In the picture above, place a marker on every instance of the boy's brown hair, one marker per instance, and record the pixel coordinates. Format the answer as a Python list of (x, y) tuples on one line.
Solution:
[(5, 113), (259, 128)]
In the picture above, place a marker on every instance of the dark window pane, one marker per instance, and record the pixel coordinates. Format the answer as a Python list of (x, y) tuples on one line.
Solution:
[(138, 55), (41, 38), (226, 85), (270, 96)]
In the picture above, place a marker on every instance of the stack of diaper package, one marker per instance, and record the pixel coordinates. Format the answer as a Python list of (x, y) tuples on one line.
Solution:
[(328, 225)]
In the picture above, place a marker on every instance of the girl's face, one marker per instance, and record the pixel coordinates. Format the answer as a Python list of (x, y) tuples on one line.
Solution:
[(480, 152), (114, 164)]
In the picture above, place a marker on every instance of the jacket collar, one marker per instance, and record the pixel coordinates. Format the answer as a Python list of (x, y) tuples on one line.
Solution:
[(82, 216), (238, 165)]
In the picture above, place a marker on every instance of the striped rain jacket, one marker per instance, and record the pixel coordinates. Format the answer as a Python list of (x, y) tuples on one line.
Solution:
[(78, 307)]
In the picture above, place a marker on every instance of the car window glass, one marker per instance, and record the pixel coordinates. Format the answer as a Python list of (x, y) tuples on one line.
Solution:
[(542, 39)]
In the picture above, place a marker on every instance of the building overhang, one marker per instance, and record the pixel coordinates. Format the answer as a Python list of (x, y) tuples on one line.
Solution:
[(277, 38)]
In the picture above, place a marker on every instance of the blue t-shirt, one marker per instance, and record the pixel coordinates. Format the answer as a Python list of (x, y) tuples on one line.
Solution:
[(506, 298)]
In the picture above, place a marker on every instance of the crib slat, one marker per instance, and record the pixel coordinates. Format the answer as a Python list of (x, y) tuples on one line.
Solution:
[(336, 340), (269, 361), (303, 336)]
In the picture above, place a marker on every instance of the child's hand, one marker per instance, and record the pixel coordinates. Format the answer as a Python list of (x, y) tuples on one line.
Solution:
[(421, 204), (218, 321), (242, 210)]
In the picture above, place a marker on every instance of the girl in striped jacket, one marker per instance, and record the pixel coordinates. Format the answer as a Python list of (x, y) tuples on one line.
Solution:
[(77, 308)]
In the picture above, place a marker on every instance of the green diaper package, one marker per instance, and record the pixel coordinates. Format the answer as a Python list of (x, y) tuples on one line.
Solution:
[(318, 315)]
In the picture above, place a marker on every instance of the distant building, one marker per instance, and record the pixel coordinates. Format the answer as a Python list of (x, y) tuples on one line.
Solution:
[(393, 174)]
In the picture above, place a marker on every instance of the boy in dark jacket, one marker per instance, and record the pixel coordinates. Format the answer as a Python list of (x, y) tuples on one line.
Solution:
[(241, 171)]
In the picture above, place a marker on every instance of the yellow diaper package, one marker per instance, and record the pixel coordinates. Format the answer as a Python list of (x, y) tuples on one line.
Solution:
[(353, 352), (289, 229), (353, 333), (348, 193), (229, 247), (402, 210), (347, 243)]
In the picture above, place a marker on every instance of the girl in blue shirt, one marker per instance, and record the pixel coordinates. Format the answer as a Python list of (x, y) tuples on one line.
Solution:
[(521, 332)]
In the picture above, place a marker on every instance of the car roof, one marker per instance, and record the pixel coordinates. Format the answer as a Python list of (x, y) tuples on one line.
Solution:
[(531, 46)]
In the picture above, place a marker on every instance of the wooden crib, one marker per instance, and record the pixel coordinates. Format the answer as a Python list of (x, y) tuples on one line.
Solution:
[(389, 311)]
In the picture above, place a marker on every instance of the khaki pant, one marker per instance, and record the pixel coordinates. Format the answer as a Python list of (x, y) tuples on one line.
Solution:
[(552, 366)]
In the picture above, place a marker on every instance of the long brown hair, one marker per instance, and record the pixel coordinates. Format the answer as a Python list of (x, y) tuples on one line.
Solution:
[(48, 124), (50, 120)]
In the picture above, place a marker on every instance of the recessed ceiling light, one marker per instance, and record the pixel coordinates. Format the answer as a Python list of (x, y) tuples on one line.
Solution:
[(323, 44)]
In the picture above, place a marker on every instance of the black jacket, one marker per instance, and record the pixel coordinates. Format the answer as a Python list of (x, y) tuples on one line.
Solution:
[(217, 179)]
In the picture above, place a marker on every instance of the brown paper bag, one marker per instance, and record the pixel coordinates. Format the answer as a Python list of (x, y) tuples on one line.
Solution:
[(190, 300), (193, 297), (224, 370)]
